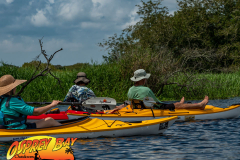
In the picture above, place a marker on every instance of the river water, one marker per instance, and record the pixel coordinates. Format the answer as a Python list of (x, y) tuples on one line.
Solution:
[(212, 139)]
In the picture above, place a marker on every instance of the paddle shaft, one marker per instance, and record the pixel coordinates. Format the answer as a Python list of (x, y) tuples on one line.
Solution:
[(61, 103)]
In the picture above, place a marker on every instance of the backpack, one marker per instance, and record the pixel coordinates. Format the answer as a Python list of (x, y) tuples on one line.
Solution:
[(3, 123)]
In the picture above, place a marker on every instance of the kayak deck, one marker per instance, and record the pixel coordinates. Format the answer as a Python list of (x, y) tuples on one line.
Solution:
[(84, 126), (162, 113)]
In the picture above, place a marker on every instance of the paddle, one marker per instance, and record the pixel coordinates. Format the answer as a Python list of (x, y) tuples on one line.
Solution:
[(61, 103), (96, 103)]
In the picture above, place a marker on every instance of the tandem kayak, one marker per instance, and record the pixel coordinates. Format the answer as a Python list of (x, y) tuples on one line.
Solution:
[(92, 128), (127, 114)]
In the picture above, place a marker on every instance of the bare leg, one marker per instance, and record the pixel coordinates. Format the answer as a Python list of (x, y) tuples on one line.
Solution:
[(116, 108), (120, 107), (200, 105), (47, 122)]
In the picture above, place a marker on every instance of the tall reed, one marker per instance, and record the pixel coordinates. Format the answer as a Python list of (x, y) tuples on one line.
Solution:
[(108, 81)]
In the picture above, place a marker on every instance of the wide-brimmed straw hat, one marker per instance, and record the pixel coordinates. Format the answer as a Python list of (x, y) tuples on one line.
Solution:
[(139, 75), (81, 76), (7, 83)]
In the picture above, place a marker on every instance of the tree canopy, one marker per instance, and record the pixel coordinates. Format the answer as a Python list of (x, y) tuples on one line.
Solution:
[(200, 36), (204, 31)]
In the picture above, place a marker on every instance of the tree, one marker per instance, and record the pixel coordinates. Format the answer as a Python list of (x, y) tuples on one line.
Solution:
[(201, 35), (204, 25)]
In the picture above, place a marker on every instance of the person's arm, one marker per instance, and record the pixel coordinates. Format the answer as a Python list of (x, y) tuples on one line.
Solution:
[(151, 94), (90, 94), (40, 110)]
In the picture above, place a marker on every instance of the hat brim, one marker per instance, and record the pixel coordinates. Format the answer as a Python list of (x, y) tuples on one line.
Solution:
[(6, 89), (83, 79), (140, 78)]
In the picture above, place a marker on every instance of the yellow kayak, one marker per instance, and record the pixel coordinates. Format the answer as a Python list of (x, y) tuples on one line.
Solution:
[(91, 128), (127, 114)]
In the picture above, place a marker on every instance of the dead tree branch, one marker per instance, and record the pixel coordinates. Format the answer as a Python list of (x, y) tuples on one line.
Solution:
[(43, 72)]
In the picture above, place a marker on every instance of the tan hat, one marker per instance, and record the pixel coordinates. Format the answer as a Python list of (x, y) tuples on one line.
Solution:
[(81, 76), (7, 83), (139, 75)]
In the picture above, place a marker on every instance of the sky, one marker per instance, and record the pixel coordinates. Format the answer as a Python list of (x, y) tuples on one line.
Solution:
[(77, 26)]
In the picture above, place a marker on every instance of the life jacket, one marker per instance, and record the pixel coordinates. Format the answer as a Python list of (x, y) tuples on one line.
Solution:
[(137, 104), (5, 123)]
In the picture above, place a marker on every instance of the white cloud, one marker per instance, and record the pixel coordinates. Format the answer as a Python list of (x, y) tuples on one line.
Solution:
[(72, 9), (31, 2), (74, 25), (22, 50), (51, 1), (55, 44), (40, 19), (108, 9), (48, 9), (9, 1), (90, 25), (134, 18), (99, 7), (25, 49)]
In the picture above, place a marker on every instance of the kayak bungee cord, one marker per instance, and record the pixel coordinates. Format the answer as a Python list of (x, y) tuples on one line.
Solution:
[(107, 124), (152, 113)]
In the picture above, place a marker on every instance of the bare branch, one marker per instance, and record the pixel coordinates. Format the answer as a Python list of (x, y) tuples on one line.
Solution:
[(43, 72)]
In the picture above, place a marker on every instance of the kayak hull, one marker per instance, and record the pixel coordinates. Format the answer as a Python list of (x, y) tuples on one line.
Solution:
[(209, 113), (93, 128)]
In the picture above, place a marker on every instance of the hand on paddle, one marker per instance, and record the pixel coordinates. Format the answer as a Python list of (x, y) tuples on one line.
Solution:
[(55, 103)]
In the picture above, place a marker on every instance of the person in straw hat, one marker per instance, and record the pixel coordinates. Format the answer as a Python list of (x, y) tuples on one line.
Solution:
[(15, 110), (138, 91)]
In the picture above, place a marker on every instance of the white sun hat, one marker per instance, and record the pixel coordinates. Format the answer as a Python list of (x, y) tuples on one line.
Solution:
[(139, 75)]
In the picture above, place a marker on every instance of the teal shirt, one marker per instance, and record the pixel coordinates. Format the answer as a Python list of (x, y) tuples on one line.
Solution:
[(140, 92), (15, 108)]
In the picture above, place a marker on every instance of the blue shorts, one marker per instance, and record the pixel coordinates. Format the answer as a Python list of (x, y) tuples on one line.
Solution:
[(31, 125)]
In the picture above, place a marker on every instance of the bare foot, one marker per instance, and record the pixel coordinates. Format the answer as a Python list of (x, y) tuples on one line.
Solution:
[(182, 100), (204, 103)]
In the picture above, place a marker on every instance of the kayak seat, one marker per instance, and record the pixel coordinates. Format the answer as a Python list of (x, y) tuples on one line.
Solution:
[(54, 111), (2, 127), (137, 104), (126, 103), (74, 120)]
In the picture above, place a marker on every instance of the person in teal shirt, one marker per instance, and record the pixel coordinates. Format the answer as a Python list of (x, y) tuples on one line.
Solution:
[(15, 110), (138, 92)]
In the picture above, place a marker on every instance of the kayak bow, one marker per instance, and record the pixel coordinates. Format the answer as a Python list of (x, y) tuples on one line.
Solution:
[(92, 128)]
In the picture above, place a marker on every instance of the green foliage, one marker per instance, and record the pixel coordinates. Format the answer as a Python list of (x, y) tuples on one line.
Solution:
[(201, 36), (35, 64), (77, 66), (107, 81), (210, 27)]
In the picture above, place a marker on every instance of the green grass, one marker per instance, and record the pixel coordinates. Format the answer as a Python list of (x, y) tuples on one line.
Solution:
[(107, 81), (216, 86)]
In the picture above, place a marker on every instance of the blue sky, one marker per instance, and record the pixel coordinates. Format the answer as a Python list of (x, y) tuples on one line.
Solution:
[(77, 26)]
